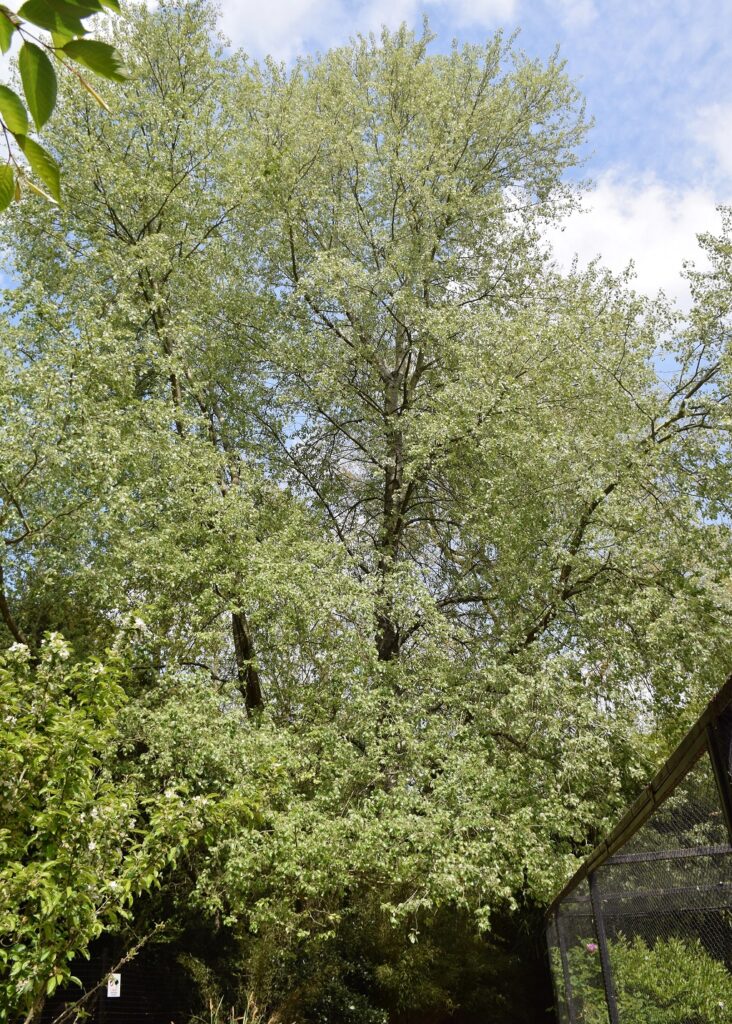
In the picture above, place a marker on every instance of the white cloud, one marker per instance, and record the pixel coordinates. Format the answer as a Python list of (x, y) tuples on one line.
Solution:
[(285, 28), (712, 128), (281, 28), (644, 220)]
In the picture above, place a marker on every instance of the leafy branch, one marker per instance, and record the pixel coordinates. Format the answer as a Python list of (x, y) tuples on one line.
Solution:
[(69, 46)]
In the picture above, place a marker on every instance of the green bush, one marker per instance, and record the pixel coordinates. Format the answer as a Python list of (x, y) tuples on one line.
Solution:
[(673, 981), (76, 844)]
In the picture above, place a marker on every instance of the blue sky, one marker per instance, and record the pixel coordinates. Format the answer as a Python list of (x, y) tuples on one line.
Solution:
[(657, 78)]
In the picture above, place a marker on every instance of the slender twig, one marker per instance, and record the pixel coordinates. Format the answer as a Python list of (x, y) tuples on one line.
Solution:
[(69, 1011)]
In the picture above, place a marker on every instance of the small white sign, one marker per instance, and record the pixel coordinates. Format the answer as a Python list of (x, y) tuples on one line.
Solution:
[(114, 986)]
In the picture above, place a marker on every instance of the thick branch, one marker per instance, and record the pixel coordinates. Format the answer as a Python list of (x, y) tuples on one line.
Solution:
[(249, 683), (7, 615)]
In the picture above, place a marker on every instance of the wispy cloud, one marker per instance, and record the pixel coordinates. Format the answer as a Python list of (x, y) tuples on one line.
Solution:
[(711, 127), (575, 14), (473, 13)]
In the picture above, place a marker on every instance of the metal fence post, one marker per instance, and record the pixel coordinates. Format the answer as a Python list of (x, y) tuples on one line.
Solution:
[(719, 745), (607, 971), (565, 971)]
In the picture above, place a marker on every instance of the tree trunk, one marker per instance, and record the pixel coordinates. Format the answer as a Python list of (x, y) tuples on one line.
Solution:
[(247, 674)]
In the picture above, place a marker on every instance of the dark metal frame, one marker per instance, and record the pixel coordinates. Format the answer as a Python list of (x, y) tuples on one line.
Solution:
[(711, 734)]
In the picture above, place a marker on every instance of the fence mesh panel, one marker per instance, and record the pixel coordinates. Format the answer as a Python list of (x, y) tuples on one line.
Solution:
[(658, 911), (665, 900)]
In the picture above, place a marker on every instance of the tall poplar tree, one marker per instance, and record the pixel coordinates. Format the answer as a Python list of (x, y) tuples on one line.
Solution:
[(479, 432)]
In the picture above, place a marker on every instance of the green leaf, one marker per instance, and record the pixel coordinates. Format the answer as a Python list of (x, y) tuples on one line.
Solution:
[(39, 82), (112, 5), (12, 111), (99, 57), (6, 30), (7, 186), (60, 39), (42, 164), (56, 16)]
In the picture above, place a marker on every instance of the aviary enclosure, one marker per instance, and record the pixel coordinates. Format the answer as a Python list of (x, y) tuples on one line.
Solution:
[(643, 931)]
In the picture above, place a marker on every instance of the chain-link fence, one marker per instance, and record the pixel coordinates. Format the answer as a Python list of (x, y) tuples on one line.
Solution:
[(643, 932)]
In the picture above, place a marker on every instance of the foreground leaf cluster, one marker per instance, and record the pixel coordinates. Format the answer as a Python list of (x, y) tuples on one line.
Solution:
[(64, 43)]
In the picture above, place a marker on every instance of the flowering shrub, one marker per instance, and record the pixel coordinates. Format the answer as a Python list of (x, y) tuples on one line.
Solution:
[(671, 982), (76, 846)]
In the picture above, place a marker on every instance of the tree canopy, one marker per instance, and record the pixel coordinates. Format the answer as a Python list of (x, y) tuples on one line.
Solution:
[(411, 562)]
